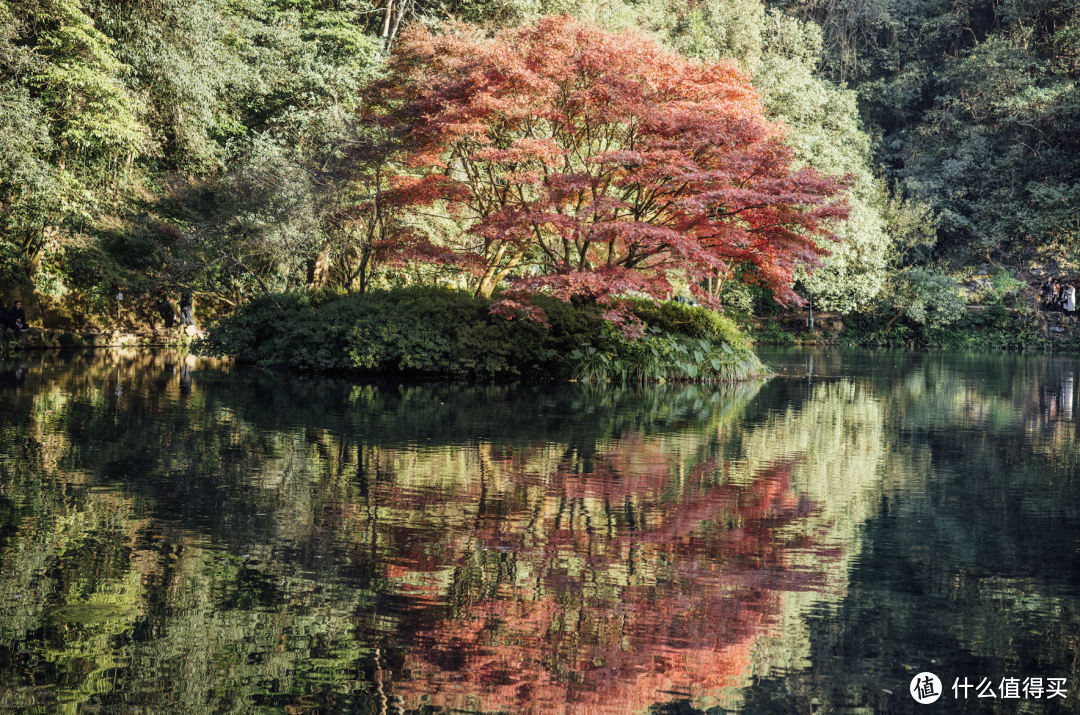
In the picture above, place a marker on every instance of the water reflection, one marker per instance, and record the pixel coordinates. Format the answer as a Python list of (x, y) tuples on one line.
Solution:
[(607, 588), (177, 537)]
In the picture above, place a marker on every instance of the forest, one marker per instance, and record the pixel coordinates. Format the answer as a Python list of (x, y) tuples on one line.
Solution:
[(891, 153)]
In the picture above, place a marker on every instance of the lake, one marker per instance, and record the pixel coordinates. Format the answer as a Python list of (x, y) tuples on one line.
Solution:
[(178, 536)]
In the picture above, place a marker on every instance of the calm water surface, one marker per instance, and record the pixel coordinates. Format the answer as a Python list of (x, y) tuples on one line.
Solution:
[(176, 537)]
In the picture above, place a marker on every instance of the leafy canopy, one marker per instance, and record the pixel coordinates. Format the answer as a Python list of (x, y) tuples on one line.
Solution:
[(596, 165)]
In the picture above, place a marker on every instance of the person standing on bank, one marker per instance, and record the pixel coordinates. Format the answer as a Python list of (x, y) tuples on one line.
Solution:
[(185, 309), (1069, 304), (17, 317), (1046, 292)]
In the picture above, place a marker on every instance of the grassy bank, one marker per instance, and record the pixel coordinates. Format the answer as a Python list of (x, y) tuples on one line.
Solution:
[(437, 332)]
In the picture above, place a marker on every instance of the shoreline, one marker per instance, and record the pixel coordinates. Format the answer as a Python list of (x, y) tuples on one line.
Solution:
[(1044, 331), (53, 339)]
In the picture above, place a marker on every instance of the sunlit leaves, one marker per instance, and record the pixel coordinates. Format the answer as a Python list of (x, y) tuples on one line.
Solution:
[(599, 165)]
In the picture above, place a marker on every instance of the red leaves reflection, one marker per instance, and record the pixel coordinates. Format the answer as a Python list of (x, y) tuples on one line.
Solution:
[(601, 588)]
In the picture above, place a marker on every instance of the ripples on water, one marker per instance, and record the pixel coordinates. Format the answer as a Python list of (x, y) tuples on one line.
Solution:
[(176, 537)]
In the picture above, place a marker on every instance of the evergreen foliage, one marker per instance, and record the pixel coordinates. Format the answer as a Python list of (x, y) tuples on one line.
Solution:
[(416, 330), (690, 320), (978, 113)]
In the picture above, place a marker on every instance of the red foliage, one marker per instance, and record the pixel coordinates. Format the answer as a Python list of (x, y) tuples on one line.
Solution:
[(598, 165)]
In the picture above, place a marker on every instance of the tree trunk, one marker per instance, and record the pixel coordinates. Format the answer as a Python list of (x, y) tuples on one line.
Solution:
[(893, 320), (403, 7), (495, 275), (363, 273), (319, 268), (258, 279), (386, 21)]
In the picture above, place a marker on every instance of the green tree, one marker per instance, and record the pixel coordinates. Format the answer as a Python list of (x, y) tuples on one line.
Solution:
[(977, 108), (74, 128), (923, 294)]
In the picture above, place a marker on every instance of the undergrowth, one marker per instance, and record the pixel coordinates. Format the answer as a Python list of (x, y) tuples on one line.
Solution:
[(441, 332), (663, 357)]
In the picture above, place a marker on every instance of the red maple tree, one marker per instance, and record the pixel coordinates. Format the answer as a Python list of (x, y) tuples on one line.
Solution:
[(593, 164)]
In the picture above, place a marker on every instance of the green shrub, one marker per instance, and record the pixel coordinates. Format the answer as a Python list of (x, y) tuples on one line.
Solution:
[(772, 333), (413, 330), (439, 331), (1005, 283), (322, 296), (995, 327), (257, 332), (570, 324), (692, 321), (662, 357)]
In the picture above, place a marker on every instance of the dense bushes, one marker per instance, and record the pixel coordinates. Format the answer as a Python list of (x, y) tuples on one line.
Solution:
[(662, 357), (1003, 319), (692, 321), (994, 327), (436, 331), (420, 330)]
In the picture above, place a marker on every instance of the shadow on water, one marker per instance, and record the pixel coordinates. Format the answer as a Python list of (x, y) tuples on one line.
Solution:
[(181, 537)]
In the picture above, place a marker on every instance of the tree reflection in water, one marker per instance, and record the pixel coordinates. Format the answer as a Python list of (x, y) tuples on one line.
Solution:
[(268, 543), (606, 589), (210, 536)]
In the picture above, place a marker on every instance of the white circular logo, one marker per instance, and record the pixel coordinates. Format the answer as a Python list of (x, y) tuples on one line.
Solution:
[(925, 688)]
